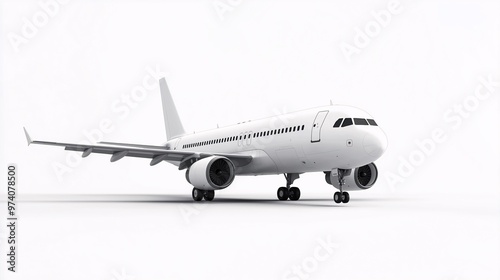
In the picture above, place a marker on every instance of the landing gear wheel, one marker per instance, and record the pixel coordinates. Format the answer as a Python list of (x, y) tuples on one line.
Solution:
[(337, 197), (345, 197), (197, 194), (282, 193), (341, 197), (287, 192), (209, 195), (294, 193)]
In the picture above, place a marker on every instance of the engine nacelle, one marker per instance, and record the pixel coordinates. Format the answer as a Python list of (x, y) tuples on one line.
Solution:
[(360, 178), (211, 173)]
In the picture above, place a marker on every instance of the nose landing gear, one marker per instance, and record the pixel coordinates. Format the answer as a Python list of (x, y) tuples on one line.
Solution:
[(341, 196)]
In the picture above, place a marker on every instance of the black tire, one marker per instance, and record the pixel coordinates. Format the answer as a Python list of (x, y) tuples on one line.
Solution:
[(209, 195), (197, 194), (294, 193), (337, 197), (346, 197), (282, 193)]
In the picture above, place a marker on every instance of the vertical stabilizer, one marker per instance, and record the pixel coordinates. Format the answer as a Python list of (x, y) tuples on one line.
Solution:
[(173, 124)]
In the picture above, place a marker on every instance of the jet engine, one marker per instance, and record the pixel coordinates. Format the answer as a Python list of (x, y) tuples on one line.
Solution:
[(211, 173), (360, 178)]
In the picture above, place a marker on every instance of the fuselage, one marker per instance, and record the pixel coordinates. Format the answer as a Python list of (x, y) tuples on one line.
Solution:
[(298, 142)]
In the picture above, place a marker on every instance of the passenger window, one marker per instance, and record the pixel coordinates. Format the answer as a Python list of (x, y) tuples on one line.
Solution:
[(372, 122), (338, 122), (347, 122), (358, 121), (302, 127)]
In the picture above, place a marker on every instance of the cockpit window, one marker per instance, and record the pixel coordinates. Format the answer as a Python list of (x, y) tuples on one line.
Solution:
[(338, 122), (372, 122), (347, 122), (360, 121)]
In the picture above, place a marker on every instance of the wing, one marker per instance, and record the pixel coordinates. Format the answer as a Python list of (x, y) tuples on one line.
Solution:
[(157, 154)]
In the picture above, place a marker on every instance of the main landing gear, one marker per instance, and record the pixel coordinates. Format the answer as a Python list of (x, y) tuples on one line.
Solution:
[(198, 195), (341, 196), (292, 193)]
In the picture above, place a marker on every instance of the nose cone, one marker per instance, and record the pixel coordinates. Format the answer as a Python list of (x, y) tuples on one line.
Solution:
[(375, 143)]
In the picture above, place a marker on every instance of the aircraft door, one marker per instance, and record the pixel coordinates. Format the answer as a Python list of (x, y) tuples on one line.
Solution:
[(316, 127)]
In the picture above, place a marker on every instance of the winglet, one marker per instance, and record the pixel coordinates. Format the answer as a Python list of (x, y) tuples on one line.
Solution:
[(28, 138)]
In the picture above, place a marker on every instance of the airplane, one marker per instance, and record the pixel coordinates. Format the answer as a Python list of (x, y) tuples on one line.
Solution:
[(341, 141)]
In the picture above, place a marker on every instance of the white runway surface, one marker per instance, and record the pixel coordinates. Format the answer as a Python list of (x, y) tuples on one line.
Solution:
[(171, 237)]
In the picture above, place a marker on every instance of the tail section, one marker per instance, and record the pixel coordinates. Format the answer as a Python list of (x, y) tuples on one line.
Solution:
[(173, 124)]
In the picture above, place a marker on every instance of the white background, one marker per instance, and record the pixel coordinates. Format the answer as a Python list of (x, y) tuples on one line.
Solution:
[(256, 59)]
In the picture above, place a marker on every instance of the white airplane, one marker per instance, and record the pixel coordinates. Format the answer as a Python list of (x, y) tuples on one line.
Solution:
[(341, 141)]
